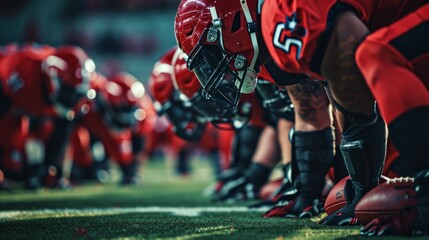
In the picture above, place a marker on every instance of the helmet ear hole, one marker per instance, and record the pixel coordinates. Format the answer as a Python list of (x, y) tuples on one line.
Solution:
[(236, 23), (189, 33)]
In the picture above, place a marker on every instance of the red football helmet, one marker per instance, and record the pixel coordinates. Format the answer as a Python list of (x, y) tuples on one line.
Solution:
[(220, 40), (187, 84), (183, 79), (121, 98), (123, 89), (160, 81), (69, 70), (170, 101)]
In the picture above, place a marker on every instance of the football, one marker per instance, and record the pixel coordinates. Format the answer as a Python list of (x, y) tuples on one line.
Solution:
[(336, 199), (389, 198)]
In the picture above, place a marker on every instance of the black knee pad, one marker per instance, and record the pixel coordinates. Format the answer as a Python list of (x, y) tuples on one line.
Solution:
[(5, 102), (363, 146), (244, 146), (340, 170), (258, 174), (312, 157), (291, 132)]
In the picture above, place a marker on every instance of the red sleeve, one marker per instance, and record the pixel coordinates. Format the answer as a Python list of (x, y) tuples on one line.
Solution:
[(291, 30), (257, 114)]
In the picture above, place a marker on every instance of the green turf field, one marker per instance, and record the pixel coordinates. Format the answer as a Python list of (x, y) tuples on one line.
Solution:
[(164, 207)]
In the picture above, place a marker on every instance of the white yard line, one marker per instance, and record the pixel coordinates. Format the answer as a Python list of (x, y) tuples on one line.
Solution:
[(178, 211)]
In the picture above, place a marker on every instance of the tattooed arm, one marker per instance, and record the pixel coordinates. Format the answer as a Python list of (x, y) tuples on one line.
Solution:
[(311, 105), (346, 84)]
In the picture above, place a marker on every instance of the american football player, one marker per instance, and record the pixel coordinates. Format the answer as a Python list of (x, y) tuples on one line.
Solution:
[(46, 82), (209, 44), (365, 17), (182, 94), (320, 38), (345, 80), (117, 119)]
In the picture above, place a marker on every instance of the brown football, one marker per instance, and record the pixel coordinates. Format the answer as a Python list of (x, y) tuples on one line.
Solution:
[(335, 199), (389, 198)]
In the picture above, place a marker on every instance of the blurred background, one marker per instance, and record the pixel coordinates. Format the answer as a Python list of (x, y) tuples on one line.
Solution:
[(129, 35)]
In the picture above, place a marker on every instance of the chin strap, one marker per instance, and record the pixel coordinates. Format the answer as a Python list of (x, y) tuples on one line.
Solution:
[(251, 27), (217, 23), (250, 80)]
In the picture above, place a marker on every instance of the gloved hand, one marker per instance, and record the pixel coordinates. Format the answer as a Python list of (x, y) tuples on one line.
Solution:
[(400, 224), (297, 208)]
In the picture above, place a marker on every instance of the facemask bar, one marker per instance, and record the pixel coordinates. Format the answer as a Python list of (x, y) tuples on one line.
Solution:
[(201, 61), (219, 117)]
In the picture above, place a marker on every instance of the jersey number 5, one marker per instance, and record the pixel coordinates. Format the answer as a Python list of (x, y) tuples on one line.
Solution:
[(287, 42)]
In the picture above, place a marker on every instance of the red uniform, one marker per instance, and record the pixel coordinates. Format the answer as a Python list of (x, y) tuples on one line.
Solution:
[(394, 61), (294, 30), (27, 88), (257, 115), (162, 135), (117, 142), (43, 83), (24, 82), (14, 131)]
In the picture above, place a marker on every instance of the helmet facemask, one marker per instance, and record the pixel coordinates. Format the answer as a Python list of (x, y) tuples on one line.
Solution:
[(123, 116), (223, 75), (221, 118), (62, 95), (192, 96)]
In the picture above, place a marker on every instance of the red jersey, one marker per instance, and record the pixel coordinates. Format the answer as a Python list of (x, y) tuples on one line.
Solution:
[(23, 82), (116, 143), (257, 114), (294, 30)]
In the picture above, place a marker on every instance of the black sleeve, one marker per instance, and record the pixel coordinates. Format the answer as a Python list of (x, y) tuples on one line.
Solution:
[(138, 142), (282, 77), (57, 141), (5, 102), (244, 146)]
